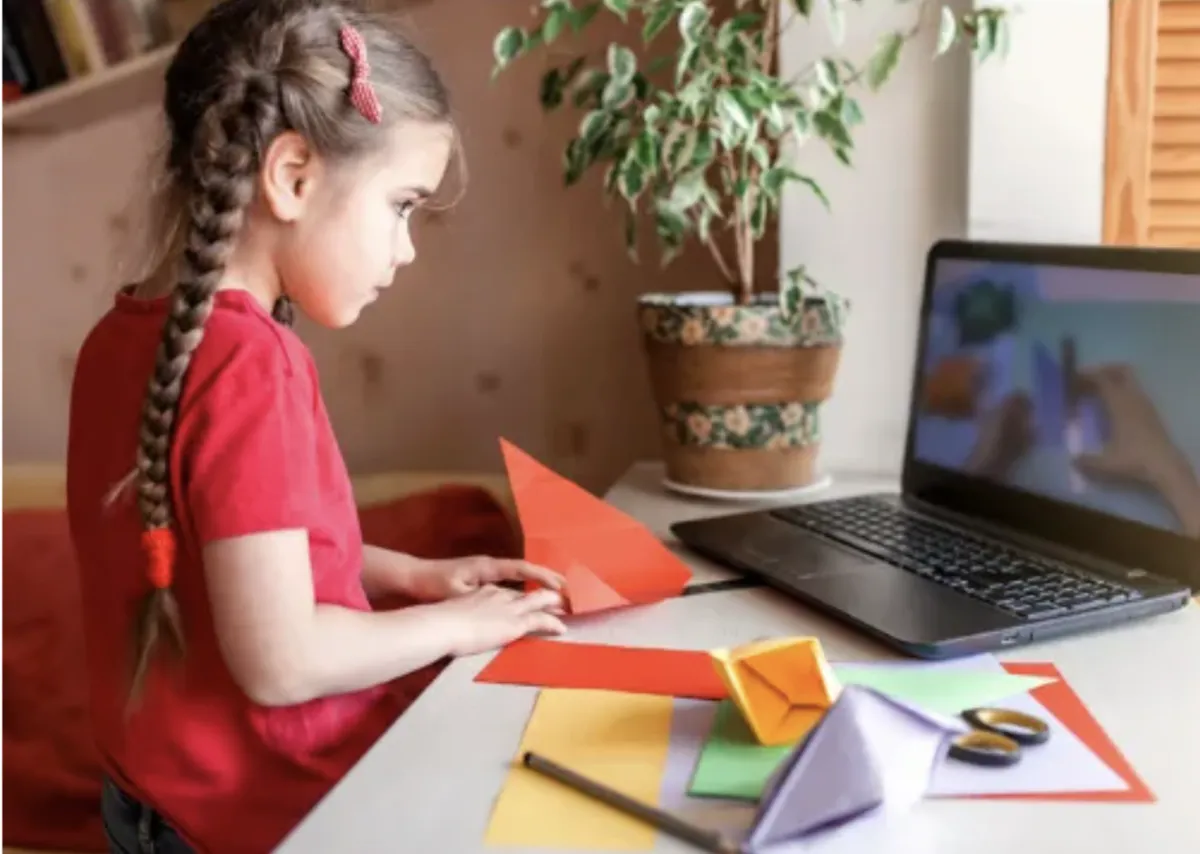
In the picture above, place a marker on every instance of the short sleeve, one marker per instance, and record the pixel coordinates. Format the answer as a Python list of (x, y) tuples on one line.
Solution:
[(247, 452)]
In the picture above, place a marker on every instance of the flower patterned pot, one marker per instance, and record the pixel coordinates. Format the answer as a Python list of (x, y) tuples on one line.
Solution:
[(739, 387)]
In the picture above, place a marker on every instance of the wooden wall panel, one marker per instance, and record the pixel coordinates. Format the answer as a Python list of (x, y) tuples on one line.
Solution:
[(1174, 182)]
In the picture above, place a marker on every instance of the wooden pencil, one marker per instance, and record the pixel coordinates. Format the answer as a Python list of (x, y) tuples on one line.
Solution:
[(706, 840)]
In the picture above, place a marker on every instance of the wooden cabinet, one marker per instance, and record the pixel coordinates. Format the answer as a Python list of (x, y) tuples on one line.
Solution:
[(1152, 163)]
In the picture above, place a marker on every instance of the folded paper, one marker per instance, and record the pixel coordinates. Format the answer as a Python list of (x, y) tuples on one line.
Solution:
[(733, 764), (609, 560), (869, 752), (781, 686)]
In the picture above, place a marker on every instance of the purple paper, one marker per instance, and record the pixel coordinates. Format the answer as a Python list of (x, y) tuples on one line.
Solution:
[(869, 752)]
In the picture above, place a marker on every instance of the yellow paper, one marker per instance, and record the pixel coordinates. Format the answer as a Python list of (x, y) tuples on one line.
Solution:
[(782, 686), (617, 739)]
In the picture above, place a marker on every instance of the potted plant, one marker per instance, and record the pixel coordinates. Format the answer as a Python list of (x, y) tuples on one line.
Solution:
[(697, 131)]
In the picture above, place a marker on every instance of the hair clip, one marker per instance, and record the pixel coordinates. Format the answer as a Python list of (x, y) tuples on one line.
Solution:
[(362, 93)]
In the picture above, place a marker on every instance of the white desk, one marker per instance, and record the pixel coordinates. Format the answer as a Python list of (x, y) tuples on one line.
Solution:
[(429, 784)]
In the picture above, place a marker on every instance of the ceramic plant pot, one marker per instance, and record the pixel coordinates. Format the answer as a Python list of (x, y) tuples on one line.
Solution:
[(739, 388)]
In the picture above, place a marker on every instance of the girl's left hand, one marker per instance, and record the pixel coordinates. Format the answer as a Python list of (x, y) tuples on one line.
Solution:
[(435, 580)]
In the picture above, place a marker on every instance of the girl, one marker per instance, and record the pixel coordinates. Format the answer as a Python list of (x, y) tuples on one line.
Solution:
[(303, 136)]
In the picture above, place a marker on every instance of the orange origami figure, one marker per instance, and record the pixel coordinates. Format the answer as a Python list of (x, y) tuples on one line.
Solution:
[(609, 560), (781, 686)]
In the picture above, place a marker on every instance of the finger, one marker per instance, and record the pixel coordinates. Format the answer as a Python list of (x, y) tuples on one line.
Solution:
[(523, 569), (541, 600), (540, 622)]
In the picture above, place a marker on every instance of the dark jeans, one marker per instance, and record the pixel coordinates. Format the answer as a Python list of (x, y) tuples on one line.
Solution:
[(133, 828)]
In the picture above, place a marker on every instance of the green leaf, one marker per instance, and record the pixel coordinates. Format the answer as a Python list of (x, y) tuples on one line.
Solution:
[(554, 23), (804, 7), (831, 129), (815, 188), (574, 161), (583, 16), (758, 216), (680, 147), (851, 113), (551, 90), (705, 149), (801, 124), (645, 150), (827, 75), (632, 180), (591, 85), (687, 191), (657, 21), (507, 45), (620, 8), (622, 64), (836, 20), (616, 94), (686, 57), (947, 31), (692, 20), (593, 125), (731, 111), (884, 60)]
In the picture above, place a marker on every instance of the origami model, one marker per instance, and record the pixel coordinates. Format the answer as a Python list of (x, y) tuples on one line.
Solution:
[(781, 686), (609, 560), (869, 752)]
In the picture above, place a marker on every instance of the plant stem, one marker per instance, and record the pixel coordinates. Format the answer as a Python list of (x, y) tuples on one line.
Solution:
[(719, 257)]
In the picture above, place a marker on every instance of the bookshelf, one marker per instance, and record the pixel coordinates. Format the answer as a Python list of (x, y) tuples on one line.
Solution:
[(76, 103)]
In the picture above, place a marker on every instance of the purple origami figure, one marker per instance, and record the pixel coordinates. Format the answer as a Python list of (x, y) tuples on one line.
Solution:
[(868, 752)]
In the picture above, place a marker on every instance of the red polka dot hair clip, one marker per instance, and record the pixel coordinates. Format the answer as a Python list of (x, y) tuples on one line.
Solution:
[(362, 93)]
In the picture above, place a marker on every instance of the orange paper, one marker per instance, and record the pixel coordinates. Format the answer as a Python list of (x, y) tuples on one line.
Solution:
[(781, 686), (609, 559), (630, 669)]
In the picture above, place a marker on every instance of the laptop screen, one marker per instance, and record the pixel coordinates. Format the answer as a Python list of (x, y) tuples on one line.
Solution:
[(1073, 383)]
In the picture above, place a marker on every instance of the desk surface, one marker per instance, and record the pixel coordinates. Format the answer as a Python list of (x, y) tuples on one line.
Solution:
[(429, 784)]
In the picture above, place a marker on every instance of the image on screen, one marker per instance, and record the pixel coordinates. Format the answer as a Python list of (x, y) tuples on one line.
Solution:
[(1079, 385)]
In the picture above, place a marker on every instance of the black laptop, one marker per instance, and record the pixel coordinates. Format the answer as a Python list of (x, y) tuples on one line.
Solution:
[(1051, 474)]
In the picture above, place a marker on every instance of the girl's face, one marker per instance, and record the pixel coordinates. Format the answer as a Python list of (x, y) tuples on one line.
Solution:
[(351, 233)]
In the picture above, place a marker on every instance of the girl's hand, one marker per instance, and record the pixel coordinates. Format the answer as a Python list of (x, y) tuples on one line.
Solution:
[(490, 617), (435, 580)]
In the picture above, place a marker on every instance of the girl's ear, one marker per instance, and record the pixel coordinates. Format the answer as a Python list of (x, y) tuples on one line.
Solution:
[(290, 169)]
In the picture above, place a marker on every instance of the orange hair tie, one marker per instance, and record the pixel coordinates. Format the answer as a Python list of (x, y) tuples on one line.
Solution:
[(159, 545)]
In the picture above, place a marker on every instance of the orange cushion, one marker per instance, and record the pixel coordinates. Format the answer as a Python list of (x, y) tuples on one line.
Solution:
[(51, 769)]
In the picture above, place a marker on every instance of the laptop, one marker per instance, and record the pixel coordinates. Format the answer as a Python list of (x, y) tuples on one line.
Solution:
[(1051, 475)]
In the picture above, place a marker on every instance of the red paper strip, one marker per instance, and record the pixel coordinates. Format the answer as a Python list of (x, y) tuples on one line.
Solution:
[(637, 670)]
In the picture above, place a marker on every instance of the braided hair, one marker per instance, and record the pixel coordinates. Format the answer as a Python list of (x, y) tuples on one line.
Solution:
[(250, 70)]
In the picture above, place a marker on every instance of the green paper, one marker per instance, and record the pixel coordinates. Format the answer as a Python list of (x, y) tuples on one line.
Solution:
[(733, 764)]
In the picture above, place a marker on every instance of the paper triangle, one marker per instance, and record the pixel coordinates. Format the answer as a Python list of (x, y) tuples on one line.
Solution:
[(586, 593), (567, 529)]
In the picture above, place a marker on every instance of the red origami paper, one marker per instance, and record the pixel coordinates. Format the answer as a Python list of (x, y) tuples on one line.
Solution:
[(609, 559)]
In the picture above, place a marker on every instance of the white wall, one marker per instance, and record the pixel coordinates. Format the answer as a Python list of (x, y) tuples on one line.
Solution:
[(1038, 127), (1019, 159)]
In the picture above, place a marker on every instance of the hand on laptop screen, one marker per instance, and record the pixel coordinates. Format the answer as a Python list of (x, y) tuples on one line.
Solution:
[(1076, 384)]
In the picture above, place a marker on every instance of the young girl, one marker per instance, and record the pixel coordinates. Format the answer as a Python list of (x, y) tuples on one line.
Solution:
[(303, 136)]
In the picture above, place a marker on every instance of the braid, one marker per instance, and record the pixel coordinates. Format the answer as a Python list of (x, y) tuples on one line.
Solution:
[(224, 161)]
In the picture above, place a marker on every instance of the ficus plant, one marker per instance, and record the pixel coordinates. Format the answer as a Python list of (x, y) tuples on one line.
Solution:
[(703, 136)]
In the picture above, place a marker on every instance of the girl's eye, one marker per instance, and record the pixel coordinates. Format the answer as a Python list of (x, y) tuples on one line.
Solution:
[(404, 209)]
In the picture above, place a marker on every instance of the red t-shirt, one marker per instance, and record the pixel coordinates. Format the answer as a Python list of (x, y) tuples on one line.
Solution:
[(253, 451)]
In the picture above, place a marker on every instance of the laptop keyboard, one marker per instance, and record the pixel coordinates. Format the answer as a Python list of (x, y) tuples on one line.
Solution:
[(1021, 584)]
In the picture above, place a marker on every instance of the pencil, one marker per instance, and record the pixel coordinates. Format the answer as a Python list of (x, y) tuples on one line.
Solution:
[(706, 840)]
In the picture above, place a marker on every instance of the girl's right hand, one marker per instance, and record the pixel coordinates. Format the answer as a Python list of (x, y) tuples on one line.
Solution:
[(494, 616)]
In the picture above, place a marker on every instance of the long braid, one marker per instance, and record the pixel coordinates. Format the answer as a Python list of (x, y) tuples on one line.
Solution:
[(249, 70), (225, 158)]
